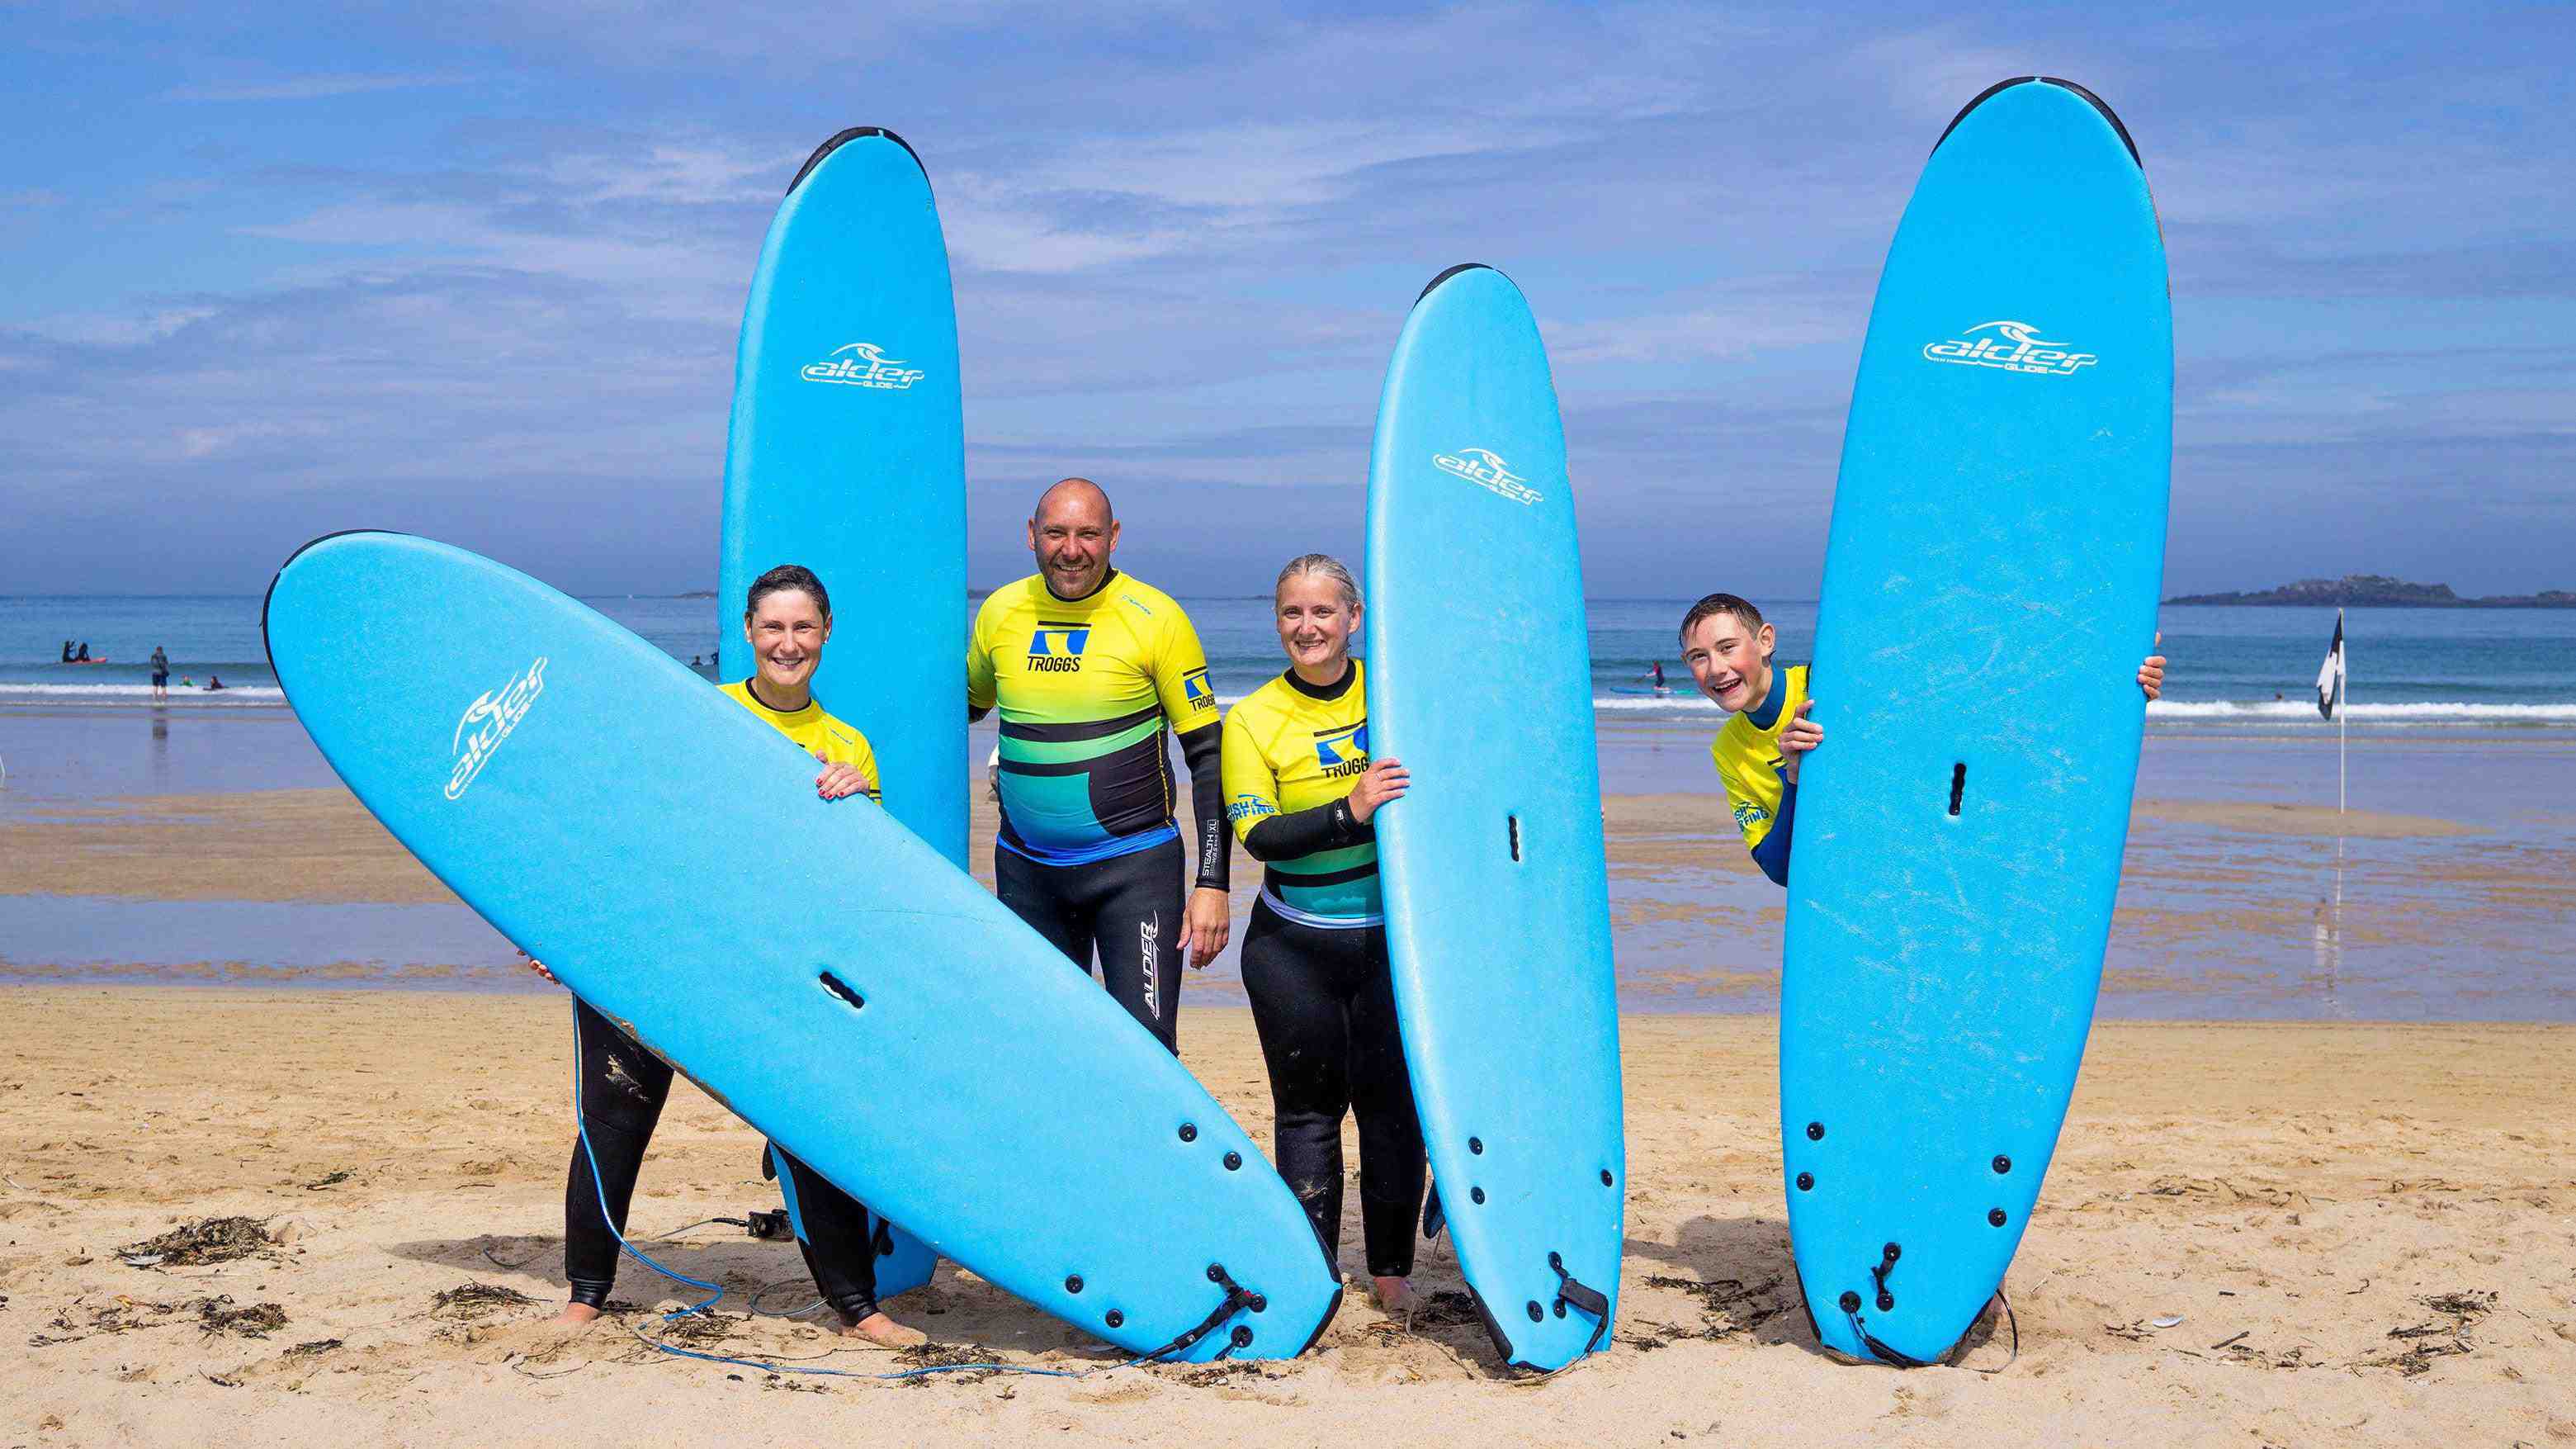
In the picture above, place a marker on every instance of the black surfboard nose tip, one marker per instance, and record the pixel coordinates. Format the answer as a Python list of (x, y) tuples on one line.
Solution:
[(1446, 275), (2096, 102), (845, 137)]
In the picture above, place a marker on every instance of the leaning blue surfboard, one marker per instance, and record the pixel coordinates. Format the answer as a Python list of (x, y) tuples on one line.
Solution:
[(1990, 585), (813, 965), (1497, 892), (847, 455)]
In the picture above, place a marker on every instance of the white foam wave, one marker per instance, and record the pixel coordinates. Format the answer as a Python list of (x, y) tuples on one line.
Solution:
[(140, 694), (2301, 711)]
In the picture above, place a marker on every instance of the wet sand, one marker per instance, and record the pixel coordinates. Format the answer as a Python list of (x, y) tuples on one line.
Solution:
[(2365, 1231)]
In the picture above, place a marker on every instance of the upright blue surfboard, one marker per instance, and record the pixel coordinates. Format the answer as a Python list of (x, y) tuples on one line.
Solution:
[(848, 455), (1990, 585), (813, 965), (1497, 894)]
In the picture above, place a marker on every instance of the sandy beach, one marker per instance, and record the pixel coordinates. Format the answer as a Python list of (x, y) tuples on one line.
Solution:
[(2365, 1233)]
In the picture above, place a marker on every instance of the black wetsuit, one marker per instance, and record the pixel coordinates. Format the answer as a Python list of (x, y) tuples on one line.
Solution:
[(1315, 963), (623, 1087), (1128, 908)]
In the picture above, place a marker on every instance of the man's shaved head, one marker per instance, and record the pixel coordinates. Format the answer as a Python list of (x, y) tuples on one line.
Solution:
[(1073, 535), (1075, 493)]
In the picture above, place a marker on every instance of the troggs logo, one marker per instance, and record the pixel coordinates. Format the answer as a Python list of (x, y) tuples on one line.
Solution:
[(1343, 751), (488, 721), (2009, 347), (864, 364), (1057, 648), (1486, 469), (1195, 689)]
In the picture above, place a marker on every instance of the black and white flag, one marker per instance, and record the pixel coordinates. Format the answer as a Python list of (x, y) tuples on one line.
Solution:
[(2330, 674)]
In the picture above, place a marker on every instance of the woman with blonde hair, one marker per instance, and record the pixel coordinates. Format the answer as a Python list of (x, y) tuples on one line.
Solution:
[(1300, 792)]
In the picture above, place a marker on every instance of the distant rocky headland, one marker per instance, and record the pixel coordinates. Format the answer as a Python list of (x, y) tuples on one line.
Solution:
[(2380, 591)]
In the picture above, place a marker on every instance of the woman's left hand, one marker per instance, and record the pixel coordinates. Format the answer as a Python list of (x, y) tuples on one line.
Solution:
[(838, 781)]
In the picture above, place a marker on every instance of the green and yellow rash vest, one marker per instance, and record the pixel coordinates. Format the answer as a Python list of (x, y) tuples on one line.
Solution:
[(819, 734), (1747, 755), (1087, 689), (1293, 752)]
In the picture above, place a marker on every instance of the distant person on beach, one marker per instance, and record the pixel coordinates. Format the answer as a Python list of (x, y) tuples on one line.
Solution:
[(160, 672), (1757, 751), (214, 682), (786, 618)]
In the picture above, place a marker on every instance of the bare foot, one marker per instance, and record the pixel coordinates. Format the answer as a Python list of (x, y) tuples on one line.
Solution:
[(1395, 1295), (577, 1313), (884, 1332)]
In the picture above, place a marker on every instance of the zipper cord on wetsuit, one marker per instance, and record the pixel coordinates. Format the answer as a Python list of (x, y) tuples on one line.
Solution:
[(1236, 1299)]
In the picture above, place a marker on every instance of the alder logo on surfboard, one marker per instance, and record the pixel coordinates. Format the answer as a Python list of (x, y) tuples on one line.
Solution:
[(489, 719), (864, 364), (1485, 468), (2009, 347)]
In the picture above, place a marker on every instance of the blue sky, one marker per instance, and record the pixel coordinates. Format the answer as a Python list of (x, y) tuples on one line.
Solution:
[(476, 270)]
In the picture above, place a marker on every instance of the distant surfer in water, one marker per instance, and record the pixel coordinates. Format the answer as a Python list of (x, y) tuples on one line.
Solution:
[(214, 681), (787, 618), (1300, 790), (1092, 670), (1757, 751), (67, 651)]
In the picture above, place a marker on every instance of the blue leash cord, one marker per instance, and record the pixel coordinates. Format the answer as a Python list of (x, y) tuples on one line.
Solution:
[(582, 1129)]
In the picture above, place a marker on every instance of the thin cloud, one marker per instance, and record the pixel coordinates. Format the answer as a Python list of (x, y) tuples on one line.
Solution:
[(307, 88)]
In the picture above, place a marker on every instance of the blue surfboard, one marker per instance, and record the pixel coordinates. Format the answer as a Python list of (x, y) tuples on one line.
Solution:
[(836, 982), (1990, 585), (847, 455), (1497, 893)]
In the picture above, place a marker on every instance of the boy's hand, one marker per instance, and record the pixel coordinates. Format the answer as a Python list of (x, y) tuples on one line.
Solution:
[(1802, 735), (538, 967), (2151, 675)]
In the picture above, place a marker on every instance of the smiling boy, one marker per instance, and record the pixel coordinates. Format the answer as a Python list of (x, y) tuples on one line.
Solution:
[(1728, 647)]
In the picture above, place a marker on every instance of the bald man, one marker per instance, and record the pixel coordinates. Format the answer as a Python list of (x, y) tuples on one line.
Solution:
[(1092, 670)]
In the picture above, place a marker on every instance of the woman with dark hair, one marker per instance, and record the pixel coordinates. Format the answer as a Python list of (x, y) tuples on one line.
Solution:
[(787, 619)]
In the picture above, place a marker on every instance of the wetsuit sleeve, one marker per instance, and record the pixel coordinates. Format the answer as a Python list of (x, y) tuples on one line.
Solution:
[(1251, 786), (1204, 748), (1180, 671), (1772, 851), (1328, 826), (867, 762), (979, 663)]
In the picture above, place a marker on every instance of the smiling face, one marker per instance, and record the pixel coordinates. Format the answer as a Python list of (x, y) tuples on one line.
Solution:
[(1315, 625), (786, 632), (1729, 664), (1073, 536)]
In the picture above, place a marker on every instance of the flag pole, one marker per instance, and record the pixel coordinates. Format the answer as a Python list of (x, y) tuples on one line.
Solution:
[(2343, 710)]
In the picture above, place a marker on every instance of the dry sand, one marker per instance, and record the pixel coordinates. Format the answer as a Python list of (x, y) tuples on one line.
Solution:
[(2364, 1230)]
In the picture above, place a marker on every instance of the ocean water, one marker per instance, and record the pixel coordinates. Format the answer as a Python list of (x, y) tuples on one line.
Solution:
[(2235, 670)]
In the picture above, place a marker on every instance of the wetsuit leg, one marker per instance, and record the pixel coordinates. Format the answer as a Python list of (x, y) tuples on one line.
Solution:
[(1127, 907), (1136, 916), (1042, 896), (623, 1088), (1305, 1040), (836, 1235), (1392, 1165)]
